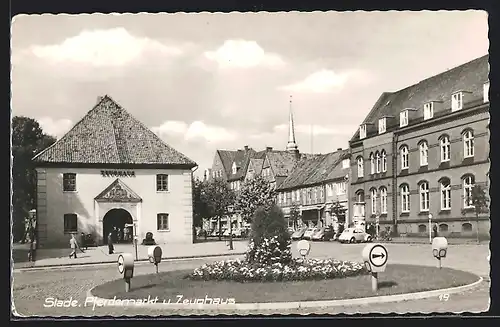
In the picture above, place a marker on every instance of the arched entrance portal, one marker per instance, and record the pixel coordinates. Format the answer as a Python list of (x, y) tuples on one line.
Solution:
[(114, 222)]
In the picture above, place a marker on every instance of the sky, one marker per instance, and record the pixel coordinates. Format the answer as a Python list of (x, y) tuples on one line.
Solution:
[(206, 81)]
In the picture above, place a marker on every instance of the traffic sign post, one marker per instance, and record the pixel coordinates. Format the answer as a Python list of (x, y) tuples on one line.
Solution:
[(135, 238), (439, 248), (375, 259), (126, 268), (154, 254), (303, 247)]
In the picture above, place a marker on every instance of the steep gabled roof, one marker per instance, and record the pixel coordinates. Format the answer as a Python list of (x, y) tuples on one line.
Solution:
[(316, 169), (108, 134), (240, 157), (467, 77), (257, 165)]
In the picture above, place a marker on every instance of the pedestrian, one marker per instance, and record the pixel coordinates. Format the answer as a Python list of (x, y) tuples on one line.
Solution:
[(111, 248), (435, 230), (73, 245)]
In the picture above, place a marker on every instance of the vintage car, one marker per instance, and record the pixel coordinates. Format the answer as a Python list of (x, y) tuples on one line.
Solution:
[(354, 235)]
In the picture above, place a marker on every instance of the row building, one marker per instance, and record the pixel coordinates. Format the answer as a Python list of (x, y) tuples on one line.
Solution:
[(419, 152)]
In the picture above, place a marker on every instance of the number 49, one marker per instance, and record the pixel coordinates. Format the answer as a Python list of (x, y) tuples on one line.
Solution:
[(444, 297)]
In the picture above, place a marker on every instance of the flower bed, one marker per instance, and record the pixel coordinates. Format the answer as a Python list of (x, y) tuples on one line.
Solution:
[(295, 270)]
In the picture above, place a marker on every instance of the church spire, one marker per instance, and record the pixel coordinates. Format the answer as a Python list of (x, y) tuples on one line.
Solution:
[(292, 145)]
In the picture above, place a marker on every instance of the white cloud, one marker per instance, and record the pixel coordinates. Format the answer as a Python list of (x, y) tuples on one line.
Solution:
[(319, 82), (196, 130), (56, 128), (243, 54), (112, 47)]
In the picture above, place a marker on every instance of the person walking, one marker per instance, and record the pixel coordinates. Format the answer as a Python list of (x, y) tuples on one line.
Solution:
[(73, 245), (111, 248), (435, 230)]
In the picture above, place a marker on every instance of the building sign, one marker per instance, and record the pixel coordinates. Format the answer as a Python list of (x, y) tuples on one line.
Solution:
[(118, 173)]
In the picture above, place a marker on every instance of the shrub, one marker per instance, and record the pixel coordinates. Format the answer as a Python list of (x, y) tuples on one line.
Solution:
[(270, 240), (296, 270)]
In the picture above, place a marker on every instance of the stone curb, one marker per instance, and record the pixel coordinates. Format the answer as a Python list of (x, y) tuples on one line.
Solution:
[(294, 305), (83, 264)]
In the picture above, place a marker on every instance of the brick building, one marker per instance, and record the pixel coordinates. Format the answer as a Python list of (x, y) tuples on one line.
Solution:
[(110, 170), (420, 150)]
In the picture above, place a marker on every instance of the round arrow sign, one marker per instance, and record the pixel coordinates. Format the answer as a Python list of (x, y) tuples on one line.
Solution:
[(378, 255), (121, 267)]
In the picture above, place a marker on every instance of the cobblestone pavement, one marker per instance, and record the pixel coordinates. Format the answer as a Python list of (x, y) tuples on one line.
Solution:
[(31, 288)]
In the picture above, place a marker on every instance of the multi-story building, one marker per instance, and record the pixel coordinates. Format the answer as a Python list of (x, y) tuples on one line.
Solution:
[(314, 186), (109, 171), (420, 150)]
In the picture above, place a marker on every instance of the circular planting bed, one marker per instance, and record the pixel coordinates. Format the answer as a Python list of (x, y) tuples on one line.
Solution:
[(175, 287)]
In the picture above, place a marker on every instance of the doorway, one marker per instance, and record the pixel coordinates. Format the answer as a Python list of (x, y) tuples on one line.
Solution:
[(114, 222)]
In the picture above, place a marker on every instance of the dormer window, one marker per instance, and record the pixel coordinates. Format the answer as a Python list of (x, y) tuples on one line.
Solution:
[(235, 168), (486, 90), (381, 125), (362, 131), (345, 163), (456, 101), (403, 118), (428, 110)]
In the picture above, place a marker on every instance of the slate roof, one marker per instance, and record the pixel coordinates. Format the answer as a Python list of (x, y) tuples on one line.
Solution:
[(467, 77), (242, 159), (316, 169), (108, 134), (257, 165)]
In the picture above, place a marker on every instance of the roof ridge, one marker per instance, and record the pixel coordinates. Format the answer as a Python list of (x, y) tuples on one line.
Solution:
[(72, 128), (441, 73)]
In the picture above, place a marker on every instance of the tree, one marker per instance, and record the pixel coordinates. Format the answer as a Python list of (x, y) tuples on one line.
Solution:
[(294, 214), (28, 140), (255, 192), (200, 208), (218, 199), (479, 201), (270, 241)]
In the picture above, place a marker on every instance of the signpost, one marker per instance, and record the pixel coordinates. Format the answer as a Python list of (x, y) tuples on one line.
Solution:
[(126, 268), (303, 247), (439, 248), (154, 254), (375, 258), (135, 240)]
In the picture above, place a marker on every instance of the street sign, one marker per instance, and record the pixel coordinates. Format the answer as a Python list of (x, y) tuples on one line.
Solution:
[(303, 247), (378, 256), (121, 267)]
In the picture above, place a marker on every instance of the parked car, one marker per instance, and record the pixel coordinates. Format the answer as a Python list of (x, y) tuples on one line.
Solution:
[(214, 233), (237, 232), (310, 232), (324, 234), (354, 235), (299, 233)]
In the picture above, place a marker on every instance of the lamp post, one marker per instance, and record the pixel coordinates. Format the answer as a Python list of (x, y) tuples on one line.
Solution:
[(430, 228), (230, 220)]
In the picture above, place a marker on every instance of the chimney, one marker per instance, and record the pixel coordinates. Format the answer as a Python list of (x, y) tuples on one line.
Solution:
[(269, 148), (246, 148), (339, 149), (99, 99)]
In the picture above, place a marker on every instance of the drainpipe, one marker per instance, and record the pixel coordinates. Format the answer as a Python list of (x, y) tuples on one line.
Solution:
[(193, 229), (394, 184)]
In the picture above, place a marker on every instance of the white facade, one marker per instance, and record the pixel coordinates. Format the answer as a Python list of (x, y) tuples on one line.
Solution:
[(144, 206)]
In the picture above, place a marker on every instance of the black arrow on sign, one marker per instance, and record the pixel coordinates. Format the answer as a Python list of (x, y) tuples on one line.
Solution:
[(378, 256)]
